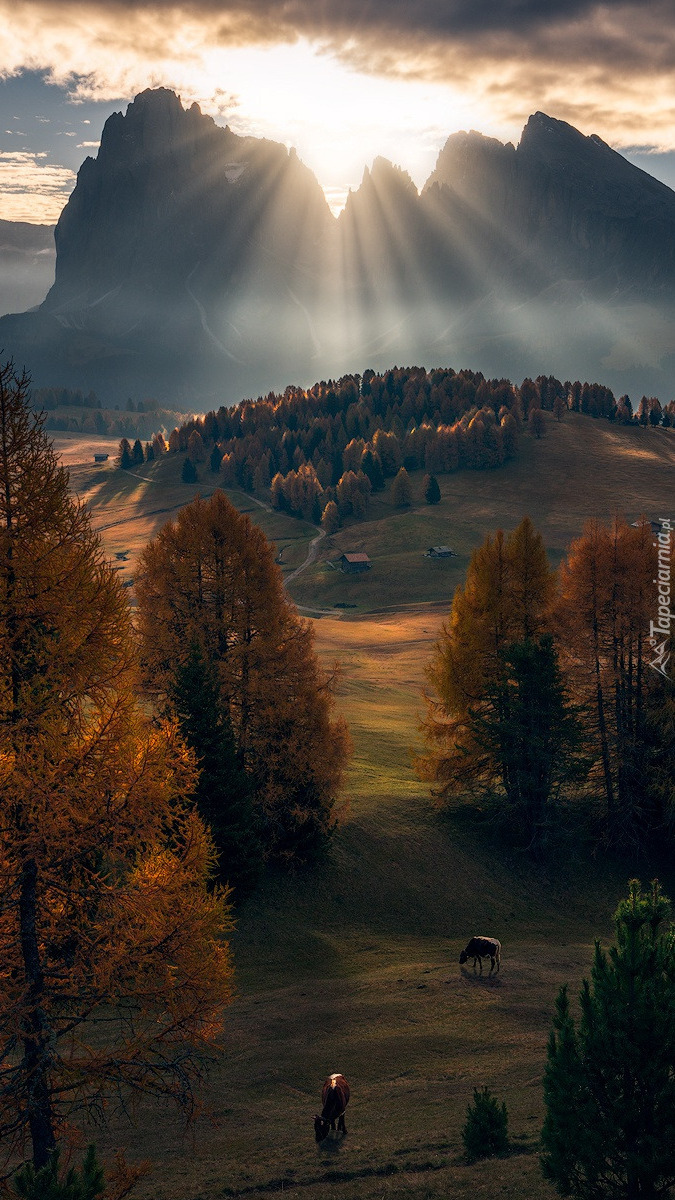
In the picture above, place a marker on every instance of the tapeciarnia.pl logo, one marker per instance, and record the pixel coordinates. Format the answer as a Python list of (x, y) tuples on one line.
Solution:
[(659, 630)]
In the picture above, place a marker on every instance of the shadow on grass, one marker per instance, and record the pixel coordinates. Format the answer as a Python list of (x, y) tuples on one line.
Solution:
[(476, 977)]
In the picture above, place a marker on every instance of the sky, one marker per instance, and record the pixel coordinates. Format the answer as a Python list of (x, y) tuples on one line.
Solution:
[(341, 80)]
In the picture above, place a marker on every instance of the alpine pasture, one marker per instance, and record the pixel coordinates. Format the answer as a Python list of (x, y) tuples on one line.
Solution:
[(353, 966)]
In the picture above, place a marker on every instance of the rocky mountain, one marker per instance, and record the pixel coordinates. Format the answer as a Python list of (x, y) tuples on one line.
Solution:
[(198, 265), (559, 206)]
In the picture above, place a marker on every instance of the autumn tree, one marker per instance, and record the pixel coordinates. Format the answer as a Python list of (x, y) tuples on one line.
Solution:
[(372, 467), (606, 602), (609, 1087), (113, 967), (536, 422), (401, 491), (196, 448), (330, 520), (499, 717), (209, 579)]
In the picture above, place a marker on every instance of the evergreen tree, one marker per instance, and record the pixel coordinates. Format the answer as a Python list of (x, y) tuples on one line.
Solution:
[(432, 492), (137, 455), (486, 1131), (149, 452), (216, 458), (124, 457), (609, 1086), (223, 794), (189, 471), (531, 736), (45, 1184)]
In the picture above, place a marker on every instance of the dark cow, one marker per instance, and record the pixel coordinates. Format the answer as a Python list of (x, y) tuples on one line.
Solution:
[(480, 948), (335, 1096)]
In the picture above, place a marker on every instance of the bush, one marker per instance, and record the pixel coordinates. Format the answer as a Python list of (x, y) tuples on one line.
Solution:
[(86, 1184), (486, 1131)]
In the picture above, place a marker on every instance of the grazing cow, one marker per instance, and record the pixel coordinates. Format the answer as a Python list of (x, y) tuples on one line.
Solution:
[(334, 1095), (480, 948)]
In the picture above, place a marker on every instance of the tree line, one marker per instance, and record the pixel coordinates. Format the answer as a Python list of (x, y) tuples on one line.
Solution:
[(303, 448), (543, 704)]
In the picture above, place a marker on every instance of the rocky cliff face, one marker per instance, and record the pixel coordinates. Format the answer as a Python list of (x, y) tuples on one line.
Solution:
[(182, 238), (559, 206), (201, 265)]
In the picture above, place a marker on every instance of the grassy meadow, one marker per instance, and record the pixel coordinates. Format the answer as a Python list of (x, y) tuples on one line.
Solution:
[(353, 966)]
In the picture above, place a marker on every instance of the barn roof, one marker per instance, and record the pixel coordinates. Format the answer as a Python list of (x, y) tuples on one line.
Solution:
[(357, 557)]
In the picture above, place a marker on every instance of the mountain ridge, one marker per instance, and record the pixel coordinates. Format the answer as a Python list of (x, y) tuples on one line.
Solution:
[(190, 258)]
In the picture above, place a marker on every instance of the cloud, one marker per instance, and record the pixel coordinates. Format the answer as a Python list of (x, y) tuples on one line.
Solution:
[(608, 68), (30, 189)]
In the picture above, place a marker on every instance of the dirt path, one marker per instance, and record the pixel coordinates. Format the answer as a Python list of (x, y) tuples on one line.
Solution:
[(312, 551)]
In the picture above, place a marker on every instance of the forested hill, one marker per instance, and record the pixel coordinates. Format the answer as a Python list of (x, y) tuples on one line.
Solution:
[(339, 440)]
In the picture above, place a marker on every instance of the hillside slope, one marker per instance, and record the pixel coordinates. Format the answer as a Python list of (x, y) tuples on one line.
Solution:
[(353, 965)]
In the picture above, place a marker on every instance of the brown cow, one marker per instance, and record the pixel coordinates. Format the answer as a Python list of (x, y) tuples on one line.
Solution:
[(334, 1096)]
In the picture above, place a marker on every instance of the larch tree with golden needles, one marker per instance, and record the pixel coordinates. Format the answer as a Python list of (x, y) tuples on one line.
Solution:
[(113, 965), (499, 720), (209, 580), (607, 599)]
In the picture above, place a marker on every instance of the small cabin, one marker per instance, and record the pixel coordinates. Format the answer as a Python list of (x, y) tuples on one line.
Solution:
[(98, 458), (440, 552), (640, 523), (355, 563)]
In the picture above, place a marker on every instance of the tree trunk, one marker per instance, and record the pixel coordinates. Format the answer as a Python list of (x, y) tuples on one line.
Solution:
[(35, 1026)]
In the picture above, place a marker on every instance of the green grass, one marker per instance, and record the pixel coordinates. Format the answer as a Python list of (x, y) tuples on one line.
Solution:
[(582, 468), (353, 966)]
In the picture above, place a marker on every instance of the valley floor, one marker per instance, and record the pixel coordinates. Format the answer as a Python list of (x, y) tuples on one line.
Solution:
[(353, 967)]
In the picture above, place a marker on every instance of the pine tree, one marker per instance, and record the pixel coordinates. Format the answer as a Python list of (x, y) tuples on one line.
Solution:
[(609, 1086), (137, 456), (189, 471), (46, 1184), (486, 1131), (531, 735), (224, 793), (124, 458), (432, 492), (216, 458)]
